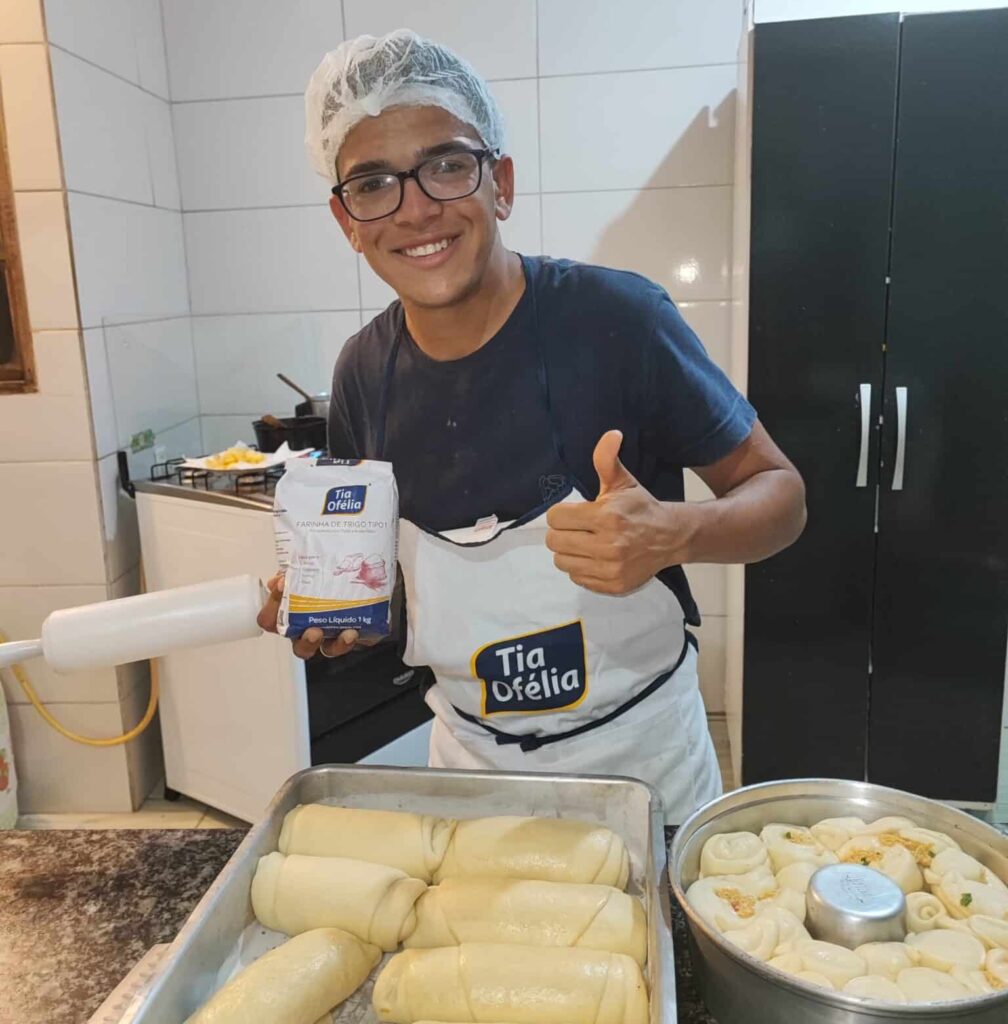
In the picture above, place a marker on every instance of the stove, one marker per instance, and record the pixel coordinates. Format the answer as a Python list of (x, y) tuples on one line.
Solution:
[(251, 487)]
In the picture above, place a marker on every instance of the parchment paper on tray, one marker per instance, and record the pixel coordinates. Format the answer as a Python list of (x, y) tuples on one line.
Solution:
[(267, 460), (256, 940)]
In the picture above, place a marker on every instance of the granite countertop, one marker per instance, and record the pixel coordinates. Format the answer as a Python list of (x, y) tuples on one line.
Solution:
[(79, 908)]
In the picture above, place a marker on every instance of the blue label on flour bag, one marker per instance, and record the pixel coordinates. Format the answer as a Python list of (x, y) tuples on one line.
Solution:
[(344, 501), (542, 671)]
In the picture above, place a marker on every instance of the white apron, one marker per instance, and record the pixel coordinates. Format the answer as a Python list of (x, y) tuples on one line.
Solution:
[(536, 673)]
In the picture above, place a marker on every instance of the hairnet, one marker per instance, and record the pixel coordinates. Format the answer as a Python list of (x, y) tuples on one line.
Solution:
[(364, 76)]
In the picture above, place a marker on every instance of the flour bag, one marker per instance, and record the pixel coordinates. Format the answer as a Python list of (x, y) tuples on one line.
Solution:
[(337, 530)]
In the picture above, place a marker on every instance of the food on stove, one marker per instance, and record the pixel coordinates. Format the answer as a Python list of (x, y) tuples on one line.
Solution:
[(550, 849), (891, 859), (944, 949), (296, 983), (887, 959), (412, 843), (234, 456), (523, 984), (529, 912), (991, 931), (297, 893), (834, 832), (791, 844), (733, 853), (926, 985), (872, 986), (956, 917)]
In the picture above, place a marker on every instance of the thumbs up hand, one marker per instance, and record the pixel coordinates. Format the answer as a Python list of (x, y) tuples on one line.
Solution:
[(619, 541)]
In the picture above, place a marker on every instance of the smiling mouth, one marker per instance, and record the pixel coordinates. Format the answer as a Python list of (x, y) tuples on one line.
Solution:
[(428, 249)]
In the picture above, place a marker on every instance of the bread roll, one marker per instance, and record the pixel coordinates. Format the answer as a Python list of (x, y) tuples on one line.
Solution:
[(996, 968), (525, 984), (296, 893), (815, 978), (834, 832), (838, 964), (549, 849), (893, 860), (413, 843), (887, 959), (796, 876), (791, 844), (925, 912), (789, 927), (991, 931), (949, 861), (943, 949), (730, 901), (532, 913), (732, 853), (889, 824), (978, 982), (872, 986), (963, 898), (926, 985), (296, 983), (759, 939)]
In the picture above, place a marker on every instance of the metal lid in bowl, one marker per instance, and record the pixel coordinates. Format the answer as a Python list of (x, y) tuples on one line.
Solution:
[(849, 905)]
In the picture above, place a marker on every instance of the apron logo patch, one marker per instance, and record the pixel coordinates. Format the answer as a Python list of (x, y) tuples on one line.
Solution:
[(344, 501), (542, 671)]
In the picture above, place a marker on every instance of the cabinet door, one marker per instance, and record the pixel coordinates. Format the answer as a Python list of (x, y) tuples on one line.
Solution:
[(824, 95), (939, 638)]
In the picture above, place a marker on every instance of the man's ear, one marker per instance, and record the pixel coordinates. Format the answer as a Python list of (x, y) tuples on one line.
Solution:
[(346, 222), (503, 179)]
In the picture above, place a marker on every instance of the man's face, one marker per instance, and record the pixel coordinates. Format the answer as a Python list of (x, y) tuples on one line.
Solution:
[(397, 140)]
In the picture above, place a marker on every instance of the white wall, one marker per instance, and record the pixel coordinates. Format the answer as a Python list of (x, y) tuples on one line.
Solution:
[(620, 120)]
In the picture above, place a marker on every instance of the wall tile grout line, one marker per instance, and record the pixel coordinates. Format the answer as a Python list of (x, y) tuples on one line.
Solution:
[(113, 74)]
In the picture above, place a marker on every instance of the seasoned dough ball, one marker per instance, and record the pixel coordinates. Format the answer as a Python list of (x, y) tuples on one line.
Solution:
[(888, 824), (872, 986), (949, 861), (926, 985), (894, 861), (992, 932), (733, 853), (887, 959), (790, 844), (963, 898), (834, 832), (838, 964), (943, 949)]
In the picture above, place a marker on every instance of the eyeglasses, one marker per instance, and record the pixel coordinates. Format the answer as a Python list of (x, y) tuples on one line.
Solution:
[(450, 176)]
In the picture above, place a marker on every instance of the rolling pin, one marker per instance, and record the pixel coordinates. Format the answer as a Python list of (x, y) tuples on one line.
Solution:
[(146, 626)]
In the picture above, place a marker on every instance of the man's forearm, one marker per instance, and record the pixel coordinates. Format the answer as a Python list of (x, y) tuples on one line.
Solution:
[(758, 518)]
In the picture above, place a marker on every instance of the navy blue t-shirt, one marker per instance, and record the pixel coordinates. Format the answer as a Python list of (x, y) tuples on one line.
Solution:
[(472, 437)]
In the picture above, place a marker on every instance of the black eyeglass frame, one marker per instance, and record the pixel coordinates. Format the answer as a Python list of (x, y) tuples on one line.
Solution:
[(414, 172)]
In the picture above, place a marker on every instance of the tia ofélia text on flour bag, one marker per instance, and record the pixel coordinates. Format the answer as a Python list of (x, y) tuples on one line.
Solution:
[(336, 524)]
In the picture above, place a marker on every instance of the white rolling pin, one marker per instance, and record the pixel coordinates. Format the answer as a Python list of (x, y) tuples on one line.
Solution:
[(146, 626)]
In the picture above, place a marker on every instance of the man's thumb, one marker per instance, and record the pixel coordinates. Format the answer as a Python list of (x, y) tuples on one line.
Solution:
[(612, 474)]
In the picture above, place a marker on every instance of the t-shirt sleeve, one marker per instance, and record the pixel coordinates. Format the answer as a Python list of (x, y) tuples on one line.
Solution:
[(693, 415)]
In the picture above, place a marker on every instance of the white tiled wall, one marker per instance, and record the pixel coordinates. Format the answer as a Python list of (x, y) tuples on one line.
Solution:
[(620, 120)]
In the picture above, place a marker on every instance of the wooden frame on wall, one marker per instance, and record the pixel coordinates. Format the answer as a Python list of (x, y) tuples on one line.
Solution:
[(17, 371)]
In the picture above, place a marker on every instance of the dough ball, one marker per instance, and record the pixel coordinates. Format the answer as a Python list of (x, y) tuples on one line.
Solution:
[(963, 898), (796, 876), (758, 939), (788, 963), (887, 959), (977, 982), (955, 861), (872, 986), (993, 933), (815, 978), (790, 844), (996, 968), (925, 912), (523, 984), (892, 860), (926, 985), (838, 964), (834, 832), (733, 853), (531, 913), (413, 843), (549, 849), (789, 928), (887, 824), (296, 983), (943, 949)]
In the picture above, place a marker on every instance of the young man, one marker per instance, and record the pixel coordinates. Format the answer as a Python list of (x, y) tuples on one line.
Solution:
[(538, 414)]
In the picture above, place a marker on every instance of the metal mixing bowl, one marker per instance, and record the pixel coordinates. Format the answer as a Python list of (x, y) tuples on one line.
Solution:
[(739, 989)]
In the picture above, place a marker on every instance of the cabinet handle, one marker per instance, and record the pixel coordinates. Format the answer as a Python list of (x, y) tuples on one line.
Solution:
[(862, 467), (901, 424)]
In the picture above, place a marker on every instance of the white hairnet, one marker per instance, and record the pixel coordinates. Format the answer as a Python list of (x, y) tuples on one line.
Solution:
[(364, 76)]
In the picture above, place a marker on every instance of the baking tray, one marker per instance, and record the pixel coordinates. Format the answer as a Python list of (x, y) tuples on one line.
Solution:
[(631, 808)]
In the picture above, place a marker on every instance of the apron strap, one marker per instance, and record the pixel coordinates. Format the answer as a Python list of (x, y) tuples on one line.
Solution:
[(530, 742)]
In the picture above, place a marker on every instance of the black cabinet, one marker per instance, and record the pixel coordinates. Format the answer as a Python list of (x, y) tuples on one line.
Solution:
[(875, 647)]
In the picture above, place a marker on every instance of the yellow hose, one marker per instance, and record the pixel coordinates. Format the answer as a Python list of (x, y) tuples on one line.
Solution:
[(90, 741)]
